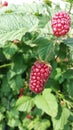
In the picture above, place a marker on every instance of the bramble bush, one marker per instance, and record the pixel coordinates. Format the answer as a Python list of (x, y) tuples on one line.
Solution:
[(26, 36)]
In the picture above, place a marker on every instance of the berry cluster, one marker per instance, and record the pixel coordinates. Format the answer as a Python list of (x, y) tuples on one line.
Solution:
[(40, 72), (61, 23)]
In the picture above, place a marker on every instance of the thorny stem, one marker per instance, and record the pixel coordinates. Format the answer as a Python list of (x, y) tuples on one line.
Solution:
[(61, 96), (5, 65)]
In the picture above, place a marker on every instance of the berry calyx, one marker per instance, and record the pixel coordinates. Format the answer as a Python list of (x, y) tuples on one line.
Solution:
[(61, 23), (40, 72)]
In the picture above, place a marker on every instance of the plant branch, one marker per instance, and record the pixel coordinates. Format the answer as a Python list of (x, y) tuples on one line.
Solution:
[(5, 65)]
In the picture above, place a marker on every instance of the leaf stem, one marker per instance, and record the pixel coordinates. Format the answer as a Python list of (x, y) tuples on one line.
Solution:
[(5, 65), (61, 96), (50, 34), (46, 58)]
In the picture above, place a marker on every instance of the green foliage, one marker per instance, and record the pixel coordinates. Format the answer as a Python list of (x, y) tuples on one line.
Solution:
[(9, 50), (26, 36), (70, 1), (24, 104), (45, 102), (58, 124)]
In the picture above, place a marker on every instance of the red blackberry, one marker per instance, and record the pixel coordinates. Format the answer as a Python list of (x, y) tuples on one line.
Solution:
[(40, 72), (61, 23)]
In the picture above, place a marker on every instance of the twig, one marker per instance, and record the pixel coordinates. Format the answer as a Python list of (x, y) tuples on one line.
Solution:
[(5, 65)]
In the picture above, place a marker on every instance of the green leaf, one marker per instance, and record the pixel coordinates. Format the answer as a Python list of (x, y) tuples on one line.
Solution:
[(68, 74), (5, 88), (14, 25), (13, 118), (67, 127), (45, 48), (10, 74), (9, 50), (2, 57), (39, 124), (58, 74), (69, 42), (16, 82), (13, 113), (48, 2), (24, 104), (68, 87), (2, 126), (42, 125), (1, 116), (43, 20), (26, 37), (41, 40), (45, 103), (45, 51), (18, 64), (63, 51), (13, 122), (58, 124), (70, 1)]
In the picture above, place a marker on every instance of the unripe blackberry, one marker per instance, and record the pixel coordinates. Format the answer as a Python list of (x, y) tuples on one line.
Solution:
[(61, 23), (40, 72)]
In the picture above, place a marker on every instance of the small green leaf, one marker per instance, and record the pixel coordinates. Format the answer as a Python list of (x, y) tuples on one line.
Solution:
[(13, 118), (45, 48), (58, 124), (67, 127), (43, 20), (16, 82), (2, 126), (48, 2), (10, 74), (69, 41), (58, 74), (24, 104), (26, 37), (1, 116), (68, 87), (9, 50), (70, 1), (18, 64), (68, 74), (45, 103), (41, 40), (39, 124), (46, 51), (13, 122), (5, 88)]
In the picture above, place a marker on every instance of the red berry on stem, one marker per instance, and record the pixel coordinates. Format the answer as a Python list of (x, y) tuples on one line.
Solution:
[(20, 95), (21, 90), (61, 23), (40, 72), (28, 116), (5, 3)]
